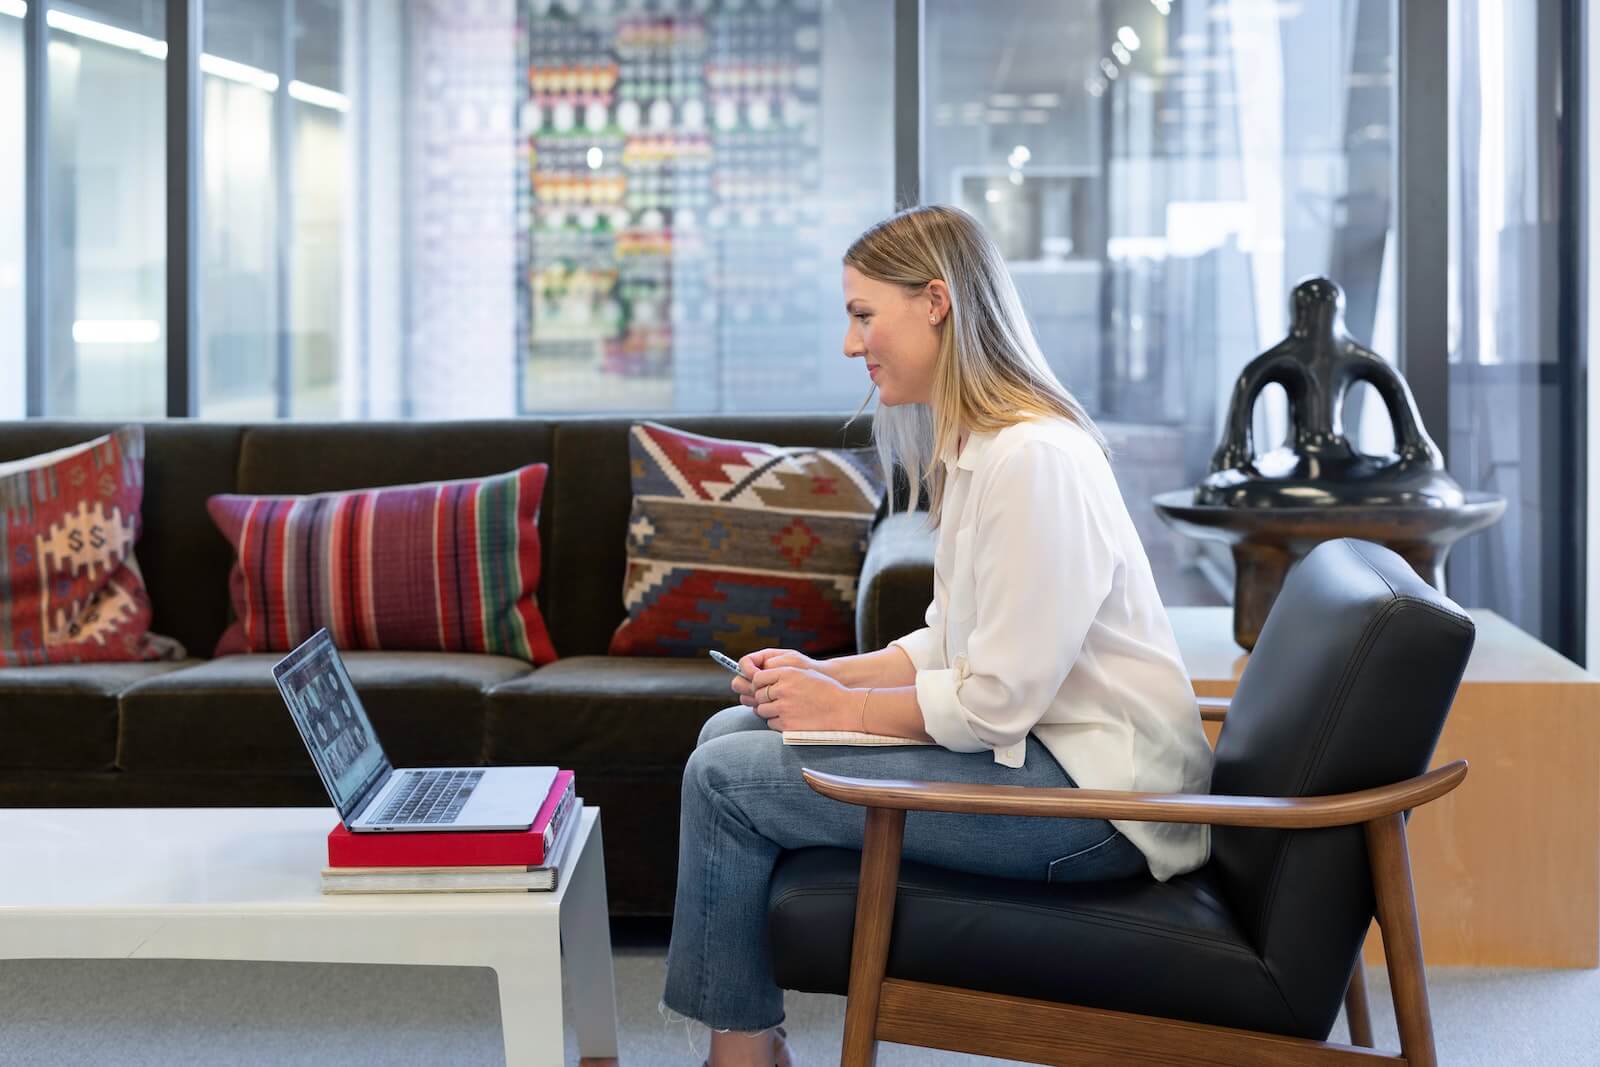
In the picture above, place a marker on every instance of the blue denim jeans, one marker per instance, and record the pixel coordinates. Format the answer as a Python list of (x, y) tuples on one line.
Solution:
[(744, 802)]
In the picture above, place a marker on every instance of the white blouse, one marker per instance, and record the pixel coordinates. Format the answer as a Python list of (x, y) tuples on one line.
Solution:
[(1045, 620)]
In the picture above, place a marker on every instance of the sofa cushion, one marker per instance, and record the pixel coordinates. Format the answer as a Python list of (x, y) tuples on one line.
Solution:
[(443, 566), (227, 715), (295, 458), (63, 716), (589, 500), (606, 712), (739, 545), (184, 559), (70, 586)]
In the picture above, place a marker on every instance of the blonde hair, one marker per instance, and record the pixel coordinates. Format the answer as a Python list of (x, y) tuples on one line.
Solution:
[(989, 372)]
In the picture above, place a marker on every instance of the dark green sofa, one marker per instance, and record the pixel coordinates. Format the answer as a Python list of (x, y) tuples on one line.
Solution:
[(209, 732)]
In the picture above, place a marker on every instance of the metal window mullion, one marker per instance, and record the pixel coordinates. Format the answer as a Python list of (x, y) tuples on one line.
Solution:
[(357, 49), (1569, 490), (283, 175), (1422, 217), (183, 205), (36, 103), (908, 17)]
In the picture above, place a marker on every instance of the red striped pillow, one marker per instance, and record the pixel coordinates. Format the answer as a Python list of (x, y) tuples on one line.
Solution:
[(447, 566)]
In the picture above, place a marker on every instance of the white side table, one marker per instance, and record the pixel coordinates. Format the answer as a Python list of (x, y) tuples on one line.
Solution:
[(244, 884)]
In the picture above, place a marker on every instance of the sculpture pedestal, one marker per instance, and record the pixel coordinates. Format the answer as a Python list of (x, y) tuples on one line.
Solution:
[(1267, 541), (1507, 867)]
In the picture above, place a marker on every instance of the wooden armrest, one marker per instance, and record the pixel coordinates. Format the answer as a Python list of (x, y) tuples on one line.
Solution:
[(1214, 709), (1286, 813)]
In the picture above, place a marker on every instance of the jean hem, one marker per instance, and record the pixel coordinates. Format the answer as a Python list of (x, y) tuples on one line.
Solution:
[(673, 1015)]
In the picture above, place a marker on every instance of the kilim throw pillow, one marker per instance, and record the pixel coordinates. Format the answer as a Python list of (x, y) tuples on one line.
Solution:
[(739, 546), (447, 566), (70, 588)]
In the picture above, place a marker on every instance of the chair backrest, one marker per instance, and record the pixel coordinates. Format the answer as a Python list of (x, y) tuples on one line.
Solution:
[(1347, 688)]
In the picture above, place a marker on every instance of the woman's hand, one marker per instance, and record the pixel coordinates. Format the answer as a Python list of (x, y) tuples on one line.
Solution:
[(766, 659), (798, 698)]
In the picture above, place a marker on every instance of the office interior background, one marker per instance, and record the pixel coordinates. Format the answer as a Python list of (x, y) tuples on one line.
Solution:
[(464, 208)]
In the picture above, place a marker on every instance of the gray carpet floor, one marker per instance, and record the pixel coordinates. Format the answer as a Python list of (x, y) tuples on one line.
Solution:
[(166, 1013)]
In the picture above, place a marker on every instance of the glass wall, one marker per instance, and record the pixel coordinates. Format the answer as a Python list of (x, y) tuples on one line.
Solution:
[(274, 209), (241, 308), (1507, 384), (696, 171), (105, 248), (681, 179), (1160, 174), (443, 209), (13, 199)]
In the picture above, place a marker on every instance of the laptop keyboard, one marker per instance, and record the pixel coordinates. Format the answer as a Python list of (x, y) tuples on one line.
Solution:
[(429, 797)]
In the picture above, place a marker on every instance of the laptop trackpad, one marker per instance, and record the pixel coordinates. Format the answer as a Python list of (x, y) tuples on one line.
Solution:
[(507, 797)]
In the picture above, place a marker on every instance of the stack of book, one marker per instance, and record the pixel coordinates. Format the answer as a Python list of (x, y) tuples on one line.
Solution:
[(502, 861)]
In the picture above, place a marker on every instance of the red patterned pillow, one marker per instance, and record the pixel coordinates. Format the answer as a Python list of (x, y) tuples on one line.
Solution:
[(738, 546), (70, 588), (448, 566)]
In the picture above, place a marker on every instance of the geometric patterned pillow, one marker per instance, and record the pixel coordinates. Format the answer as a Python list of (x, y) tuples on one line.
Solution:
[(446, 567), (737, 546), (70, 588)]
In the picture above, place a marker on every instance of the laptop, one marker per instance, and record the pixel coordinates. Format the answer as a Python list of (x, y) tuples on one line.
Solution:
[(369, 792)]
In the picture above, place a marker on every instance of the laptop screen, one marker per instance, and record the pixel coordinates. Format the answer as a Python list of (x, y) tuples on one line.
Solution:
[(335, 727)]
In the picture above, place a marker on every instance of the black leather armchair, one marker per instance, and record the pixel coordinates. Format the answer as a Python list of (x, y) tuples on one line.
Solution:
[(1245, 961)]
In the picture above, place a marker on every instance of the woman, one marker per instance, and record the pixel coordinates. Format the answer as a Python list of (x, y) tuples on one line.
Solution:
[(1047, 659)]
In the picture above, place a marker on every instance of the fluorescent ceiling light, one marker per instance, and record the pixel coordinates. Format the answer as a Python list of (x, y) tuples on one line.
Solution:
[(312, 94), (99, 31), (116, 331), (89, 29), (242, 73)]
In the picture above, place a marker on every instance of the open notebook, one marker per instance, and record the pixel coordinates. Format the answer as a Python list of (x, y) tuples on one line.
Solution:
[(845, 737)]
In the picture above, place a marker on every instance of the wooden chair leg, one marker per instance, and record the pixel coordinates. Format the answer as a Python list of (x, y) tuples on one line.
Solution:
[(1402, 942), (869, 951), (1355, 1007)]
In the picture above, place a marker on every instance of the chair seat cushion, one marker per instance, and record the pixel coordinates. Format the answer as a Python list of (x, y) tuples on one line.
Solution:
[(227, 716), (611, 713), (1168, 949), (63, 716)]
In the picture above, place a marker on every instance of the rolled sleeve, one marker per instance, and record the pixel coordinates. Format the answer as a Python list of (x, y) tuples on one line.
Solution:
[(947, 722), (924, 647), (938, 695)]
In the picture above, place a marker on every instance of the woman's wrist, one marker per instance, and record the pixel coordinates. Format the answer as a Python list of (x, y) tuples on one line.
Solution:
[(852, 710), (869, 669), (841, 669)]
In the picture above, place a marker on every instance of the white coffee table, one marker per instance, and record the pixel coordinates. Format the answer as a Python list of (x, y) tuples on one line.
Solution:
[(243, 884)]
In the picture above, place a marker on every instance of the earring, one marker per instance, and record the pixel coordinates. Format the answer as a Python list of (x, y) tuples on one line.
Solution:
[(933, 320)]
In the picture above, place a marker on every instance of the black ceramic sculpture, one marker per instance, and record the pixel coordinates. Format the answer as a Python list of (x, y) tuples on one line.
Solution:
[(1274, 507)]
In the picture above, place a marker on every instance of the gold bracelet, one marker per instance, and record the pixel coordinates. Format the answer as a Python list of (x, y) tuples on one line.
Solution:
[(864, 710)]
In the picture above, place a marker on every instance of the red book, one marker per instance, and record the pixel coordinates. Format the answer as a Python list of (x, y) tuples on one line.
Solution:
[(467, 848)]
